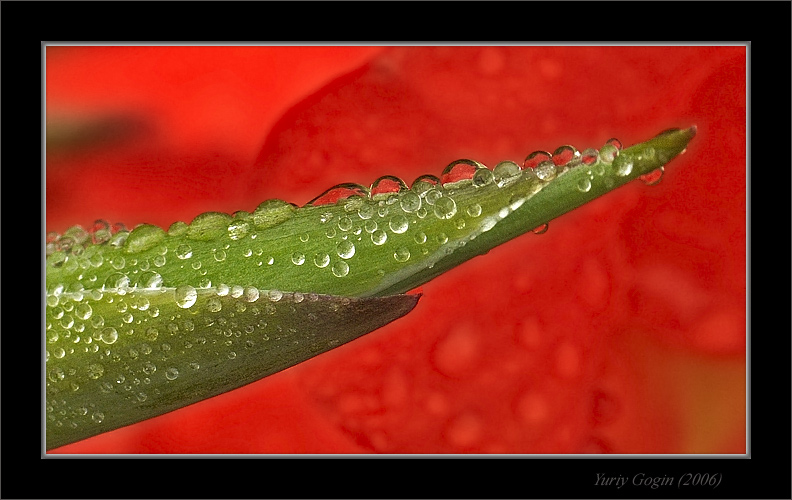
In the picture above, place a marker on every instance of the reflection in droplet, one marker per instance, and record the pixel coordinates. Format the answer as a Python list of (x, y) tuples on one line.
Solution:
[(186, 296), (340, 269)]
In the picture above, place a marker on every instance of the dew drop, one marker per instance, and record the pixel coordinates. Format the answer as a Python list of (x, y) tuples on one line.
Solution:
[(616, 143), (483, 177), (97, 417), (584, 185), (623, 165), (546, 170), (345, 249), (458, 170), (95, 371), (83, 311), (159, 260), (608, 153), (379, 237), (149, 368), (219, 255), (186, 296), (653, 178), (401, 255), (445, 208), (541, 229), (474, 210), (275, 295), (399, 224), (589, 156), (251, 294), (340, 269), (116, 281), (564, 155), (214, 304), (442, 238), (420, 238), (172, 373), (184, 251), (109, 335), (537, 157), (298, 258), (345, 223), (505, 173), (321, 260)]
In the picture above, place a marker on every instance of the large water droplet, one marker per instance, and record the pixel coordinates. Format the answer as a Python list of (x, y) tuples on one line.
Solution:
[(564, 155), (186, 296), (424, 183), (338, 193), (589, 156), (149, 279), (272, 212), (83, 311), (144, 237), (385, 186), (238, 229), (298, 258)]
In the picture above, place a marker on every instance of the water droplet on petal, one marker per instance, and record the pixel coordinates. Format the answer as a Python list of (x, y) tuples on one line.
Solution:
[(186, 296)]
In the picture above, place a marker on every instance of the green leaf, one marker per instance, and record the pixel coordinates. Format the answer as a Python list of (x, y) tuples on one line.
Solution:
[(144, 353), (120, 304)]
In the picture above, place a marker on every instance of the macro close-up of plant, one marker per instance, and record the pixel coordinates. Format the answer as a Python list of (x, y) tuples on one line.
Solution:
[(395, 250)]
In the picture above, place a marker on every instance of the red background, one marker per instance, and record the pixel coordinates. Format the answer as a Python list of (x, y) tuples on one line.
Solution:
[(622, 329)]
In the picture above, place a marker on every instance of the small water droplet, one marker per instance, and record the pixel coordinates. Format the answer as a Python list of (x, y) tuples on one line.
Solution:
[(379, 237), (321, 260), (483, 177), (506, 172), (584, 185), (83, 311), (251, 294), (445, 208), (589, 156), (442, 238), (623, 165), (615, 143), (458, 170), (109, 335), (184, 251), (345, 249), (541, 229), (401, 255), (340, 269), (546, 170), (399, 224), (653, 178), (95, 371), (214, 304), (97, 417), (149, 368), (474, 210), (298, 258), (608, 153), (420, 238), (345, 223), (186, 296), (172, 373)]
